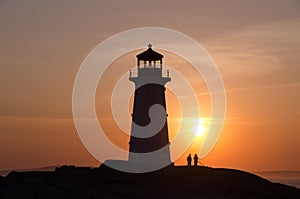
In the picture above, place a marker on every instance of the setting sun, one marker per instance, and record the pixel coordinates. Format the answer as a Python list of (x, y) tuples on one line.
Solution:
[(199, 127), (199, 131)]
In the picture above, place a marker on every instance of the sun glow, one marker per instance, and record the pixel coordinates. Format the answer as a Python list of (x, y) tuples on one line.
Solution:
[(199, 127), (200, 130)]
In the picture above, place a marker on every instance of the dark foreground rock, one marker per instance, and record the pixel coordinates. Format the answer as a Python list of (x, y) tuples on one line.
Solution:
[(70, 182)]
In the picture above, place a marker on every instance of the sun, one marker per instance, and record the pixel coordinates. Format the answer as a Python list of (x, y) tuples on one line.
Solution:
[(200, 130), (199, 126)]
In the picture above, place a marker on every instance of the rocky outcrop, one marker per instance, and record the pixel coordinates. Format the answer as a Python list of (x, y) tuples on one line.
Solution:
[(172, 182)]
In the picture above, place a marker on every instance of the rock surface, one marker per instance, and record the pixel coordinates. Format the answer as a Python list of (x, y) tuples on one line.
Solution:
[(172, 182)]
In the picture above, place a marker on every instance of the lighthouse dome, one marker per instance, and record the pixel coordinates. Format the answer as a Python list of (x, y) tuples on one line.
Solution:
[(149, 55)]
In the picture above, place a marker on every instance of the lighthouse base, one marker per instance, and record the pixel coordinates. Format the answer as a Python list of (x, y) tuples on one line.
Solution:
[(136, 167)]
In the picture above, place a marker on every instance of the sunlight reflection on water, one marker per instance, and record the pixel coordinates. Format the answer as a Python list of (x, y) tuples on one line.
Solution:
[(291, 178)]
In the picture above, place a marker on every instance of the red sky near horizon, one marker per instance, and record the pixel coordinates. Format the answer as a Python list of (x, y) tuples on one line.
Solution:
[(255, 45)]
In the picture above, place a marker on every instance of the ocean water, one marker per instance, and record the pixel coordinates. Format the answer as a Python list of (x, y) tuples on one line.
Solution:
[(291, 178)]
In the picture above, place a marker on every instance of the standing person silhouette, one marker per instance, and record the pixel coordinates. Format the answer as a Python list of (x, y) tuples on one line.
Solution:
[(195, 160), (189, 160)]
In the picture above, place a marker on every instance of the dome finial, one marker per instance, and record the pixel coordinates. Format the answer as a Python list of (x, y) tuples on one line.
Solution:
[(149, 45)]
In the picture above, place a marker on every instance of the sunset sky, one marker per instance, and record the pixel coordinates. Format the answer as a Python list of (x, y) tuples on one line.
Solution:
[(255, 44)]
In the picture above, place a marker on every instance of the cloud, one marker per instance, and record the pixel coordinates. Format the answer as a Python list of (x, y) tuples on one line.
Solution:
[(257, 49), (290, 85)]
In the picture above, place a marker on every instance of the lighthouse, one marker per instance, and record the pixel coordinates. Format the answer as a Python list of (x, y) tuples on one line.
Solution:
[(149, 140)]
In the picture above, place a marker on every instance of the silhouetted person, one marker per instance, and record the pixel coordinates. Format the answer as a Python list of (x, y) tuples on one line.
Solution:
[(195, 160), (189, 160)]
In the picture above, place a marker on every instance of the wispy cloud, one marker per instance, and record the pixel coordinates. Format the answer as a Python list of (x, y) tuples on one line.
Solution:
[(237, 89), (257, 49)]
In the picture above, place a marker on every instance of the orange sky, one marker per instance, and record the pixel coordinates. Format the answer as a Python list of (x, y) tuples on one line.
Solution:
[(255, 44)]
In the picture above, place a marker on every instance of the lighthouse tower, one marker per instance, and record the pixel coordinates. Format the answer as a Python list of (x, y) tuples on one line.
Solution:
[(149, 141)]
